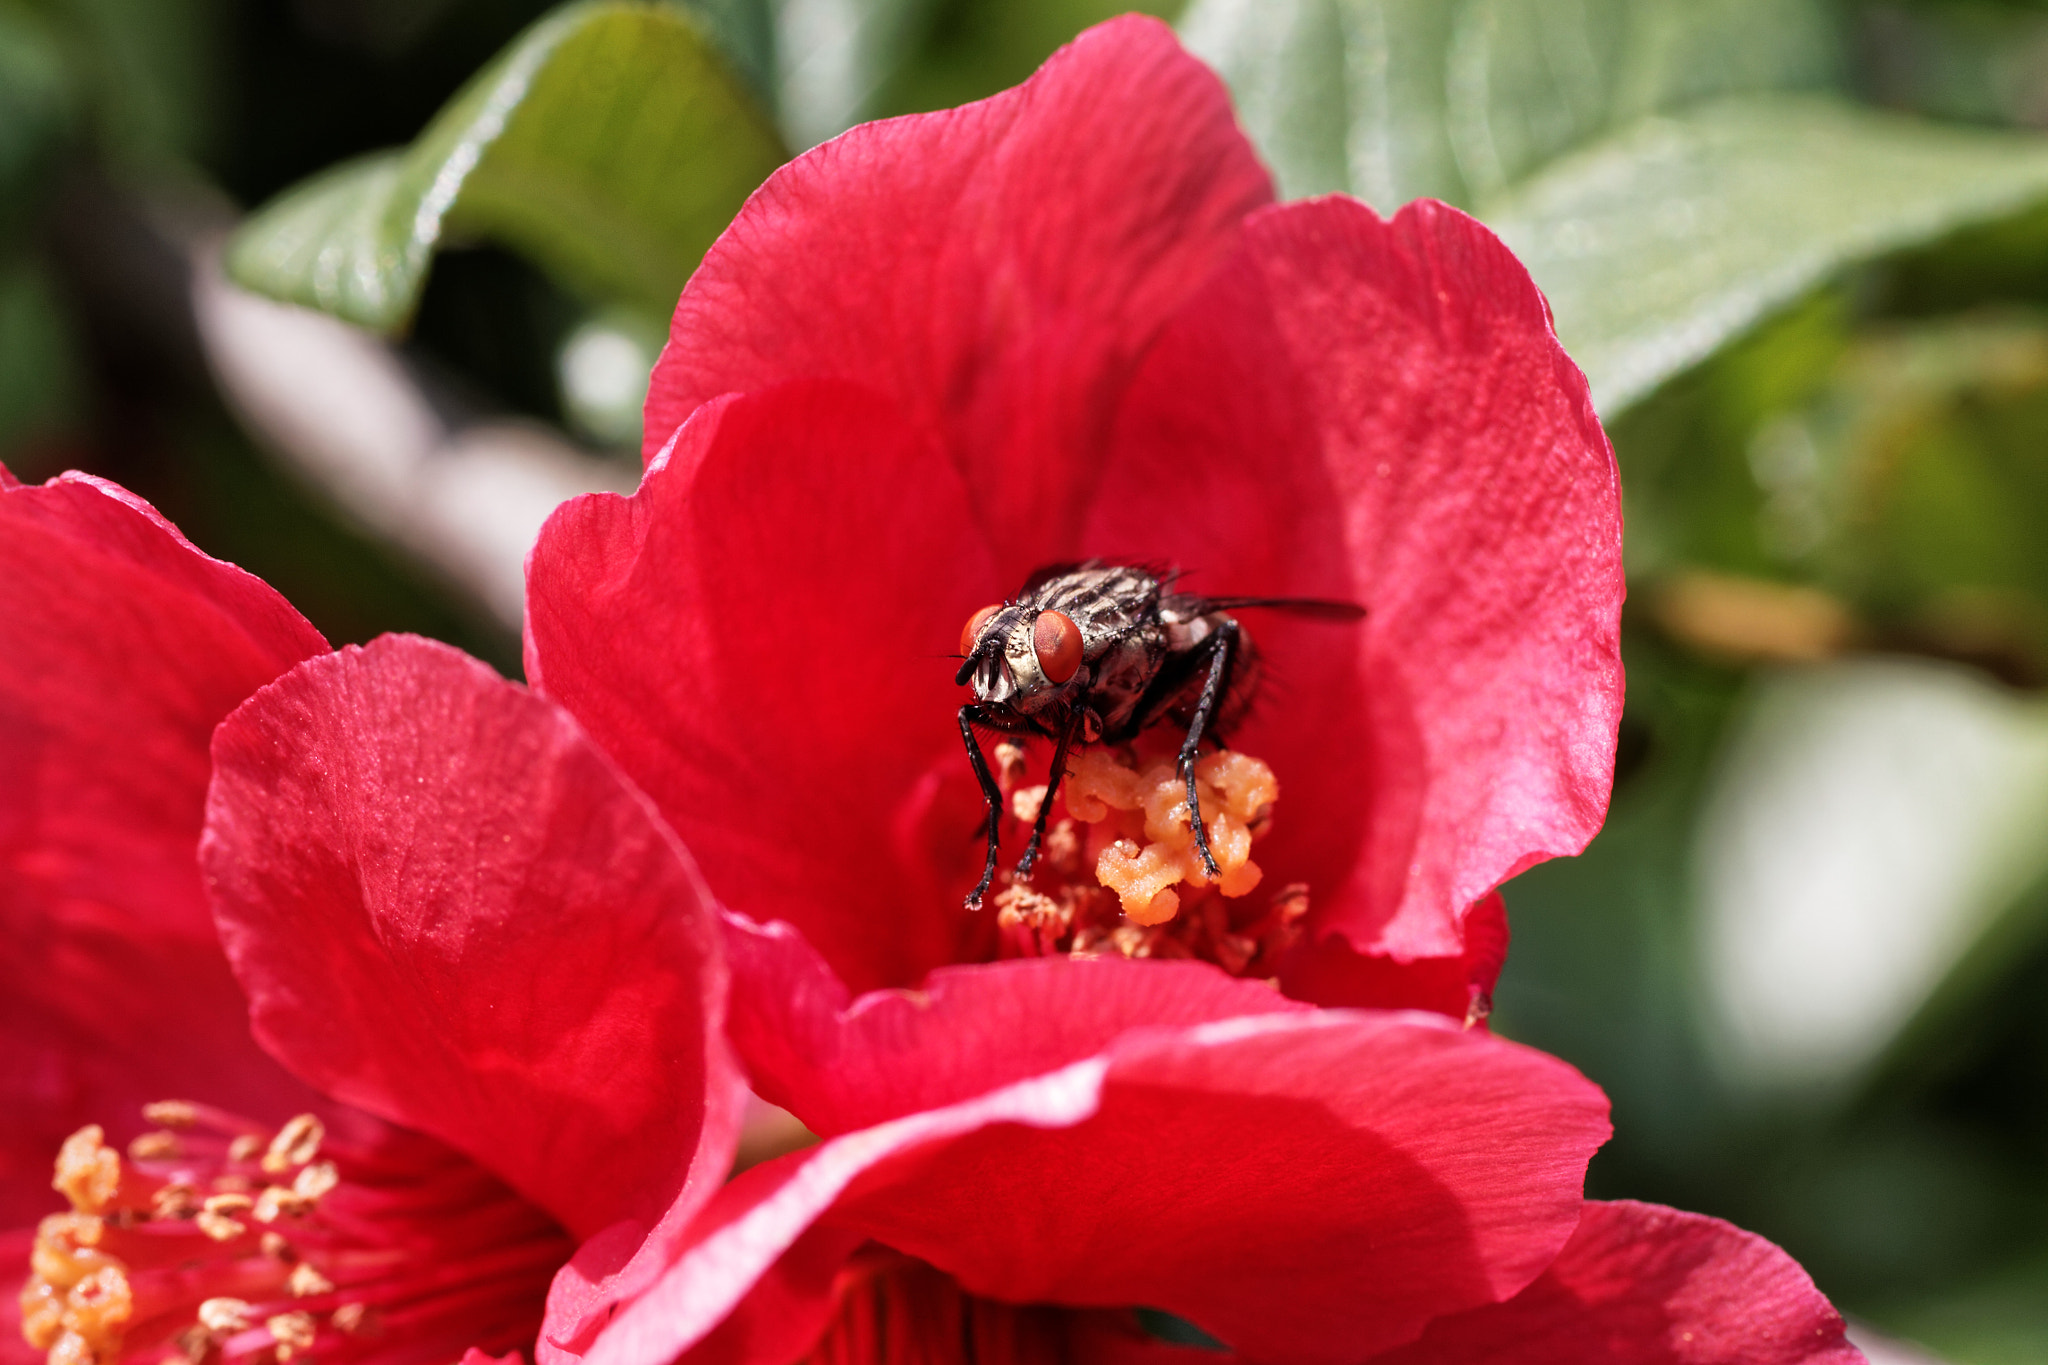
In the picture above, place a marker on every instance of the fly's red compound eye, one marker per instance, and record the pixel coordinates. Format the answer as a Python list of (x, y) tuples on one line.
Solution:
[(973, 628), (1057, 642)]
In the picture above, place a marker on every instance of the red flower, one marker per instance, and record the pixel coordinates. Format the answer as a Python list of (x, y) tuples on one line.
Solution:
[(448, 913), (1067, 322)]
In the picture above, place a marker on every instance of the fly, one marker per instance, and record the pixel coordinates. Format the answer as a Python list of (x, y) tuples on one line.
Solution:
[(1099, 653)]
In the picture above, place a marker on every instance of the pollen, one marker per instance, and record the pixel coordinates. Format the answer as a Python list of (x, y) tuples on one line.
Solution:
[(88, 1171), (293, 1332), (297, 1143), (214, 1240), (77, 1300), (1120, 873), (1142, 878), (157, 1146), (305, 1282), (171, 1113), (1152, 847)]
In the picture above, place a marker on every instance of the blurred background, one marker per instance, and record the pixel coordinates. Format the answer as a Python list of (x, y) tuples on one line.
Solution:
[(356, 290)]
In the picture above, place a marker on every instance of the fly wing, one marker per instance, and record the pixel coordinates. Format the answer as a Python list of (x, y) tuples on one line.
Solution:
[(1312, 608)]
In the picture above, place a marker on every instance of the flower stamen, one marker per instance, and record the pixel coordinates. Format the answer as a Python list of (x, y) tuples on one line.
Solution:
[(1120, 871), (179, 1253)]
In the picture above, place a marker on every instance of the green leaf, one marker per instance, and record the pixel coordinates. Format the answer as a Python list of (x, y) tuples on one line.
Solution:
[(610, 143), (1393, 100), (1530, 79), (1660, 244), (744, 32), (1664, 167), (963, 50), (1328, 93)]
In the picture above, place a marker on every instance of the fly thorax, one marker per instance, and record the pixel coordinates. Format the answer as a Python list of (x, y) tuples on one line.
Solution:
[(1121, 675)]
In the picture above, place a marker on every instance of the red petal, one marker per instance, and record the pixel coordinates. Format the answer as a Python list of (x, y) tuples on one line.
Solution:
[(1349, 408), (1367, 1171), (782, 1316), (892, 1310), (14, 1252), (96, 1023), (1380, 411), (121, 647), (1330, 972), (1644, 1285), (996, 269), (449, 908), (760, 637), (839, 1064), (1112, 1339)]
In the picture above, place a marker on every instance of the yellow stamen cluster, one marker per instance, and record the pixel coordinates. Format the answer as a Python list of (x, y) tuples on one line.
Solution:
[(1142, 835), (77, 1300), (80, 1298), (1120, 872)]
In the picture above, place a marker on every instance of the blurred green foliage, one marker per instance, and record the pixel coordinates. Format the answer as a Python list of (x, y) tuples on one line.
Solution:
[(1815, 319), (972, 48), (1800, 247), (1865, 474), (610, 144)]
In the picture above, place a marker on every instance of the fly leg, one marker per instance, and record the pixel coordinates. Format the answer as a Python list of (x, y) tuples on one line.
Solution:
[(968, 716), (1059, 770), (1223, 652)]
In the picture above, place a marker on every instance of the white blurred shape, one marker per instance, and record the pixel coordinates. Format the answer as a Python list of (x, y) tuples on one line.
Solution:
[(1879, 1349), (817, 44), (1870, 821), (602, 370), (486, 493), (347, 412), (339, 399), (831, 57)]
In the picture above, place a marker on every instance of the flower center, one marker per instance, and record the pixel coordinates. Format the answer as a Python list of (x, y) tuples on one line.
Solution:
[(888, 1306), (1120, 872), (216, 1240)]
